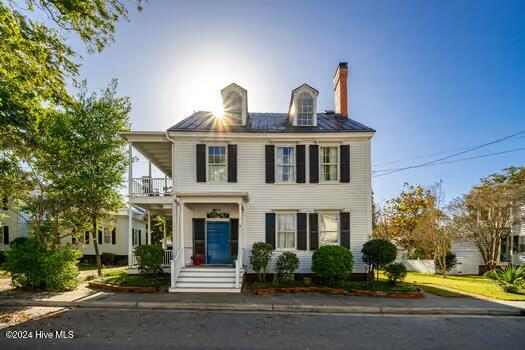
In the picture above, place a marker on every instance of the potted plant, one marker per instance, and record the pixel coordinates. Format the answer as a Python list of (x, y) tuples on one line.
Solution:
[(234, 260), (197, 259)]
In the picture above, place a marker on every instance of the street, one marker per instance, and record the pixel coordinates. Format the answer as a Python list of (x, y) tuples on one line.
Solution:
[(120, 329)]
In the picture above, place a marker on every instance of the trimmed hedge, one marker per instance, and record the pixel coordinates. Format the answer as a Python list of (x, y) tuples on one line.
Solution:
[(332, 264)]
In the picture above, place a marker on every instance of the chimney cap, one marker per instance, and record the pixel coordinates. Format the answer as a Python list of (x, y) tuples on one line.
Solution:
[(343, 64)]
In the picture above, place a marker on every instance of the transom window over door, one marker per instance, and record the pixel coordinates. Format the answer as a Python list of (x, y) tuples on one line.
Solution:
[(286, 228), (328, 229), (217, 163), (286, 164), (305, 110), (329, 163)]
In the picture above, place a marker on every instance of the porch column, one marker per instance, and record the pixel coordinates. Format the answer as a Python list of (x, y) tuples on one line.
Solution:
[(148, 234), (130, 208), (164, 235), (240, 236), (130, 235), (174, 228), (181, 238)]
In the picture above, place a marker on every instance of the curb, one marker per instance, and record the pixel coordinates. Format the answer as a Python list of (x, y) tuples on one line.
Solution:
[(148, 305)]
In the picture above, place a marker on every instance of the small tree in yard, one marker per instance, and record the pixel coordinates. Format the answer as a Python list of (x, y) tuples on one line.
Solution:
[(378, 253), (285, 266), (332, 264), (259, 259), (449, 263)]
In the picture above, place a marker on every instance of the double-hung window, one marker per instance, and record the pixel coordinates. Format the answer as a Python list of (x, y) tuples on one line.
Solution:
[(329, 163), (107, 236), (305, 110), (328, 229), (286, 231), (285, 164), (217, 171)]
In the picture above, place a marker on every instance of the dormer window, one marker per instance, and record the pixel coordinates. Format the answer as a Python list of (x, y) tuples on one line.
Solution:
[(303, 106), (235, 104), (233, 108), (305, 110)]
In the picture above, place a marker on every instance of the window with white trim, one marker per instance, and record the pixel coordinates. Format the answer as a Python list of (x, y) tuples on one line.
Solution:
[(329, 163), (285, 164), (233, 108), (286, 231), (305, 109), (107, 236), (217, 171), (328, 229)]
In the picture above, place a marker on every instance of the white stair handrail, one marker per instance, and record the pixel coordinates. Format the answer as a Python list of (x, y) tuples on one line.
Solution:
[(176, 265)]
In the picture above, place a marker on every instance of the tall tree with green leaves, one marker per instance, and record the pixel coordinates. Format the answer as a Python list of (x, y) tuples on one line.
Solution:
[(89, 158), (36, 62)]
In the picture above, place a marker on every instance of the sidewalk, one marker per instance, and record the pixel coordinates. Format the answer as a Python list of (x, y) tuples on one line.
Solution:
[(301, 302)]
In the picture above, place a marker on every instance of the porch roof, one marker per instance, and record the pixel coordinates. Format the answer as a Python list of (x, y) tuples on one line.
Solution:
[(213, 197), (153, 145)]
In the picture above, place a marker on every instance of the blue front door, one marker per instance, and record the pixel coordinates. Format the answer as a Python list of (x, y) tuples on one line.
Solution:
[(218, 242)]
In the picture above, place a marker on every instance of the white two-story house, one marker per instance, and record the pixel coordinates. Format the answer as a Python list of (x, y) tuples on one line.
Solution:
[(296, 180)]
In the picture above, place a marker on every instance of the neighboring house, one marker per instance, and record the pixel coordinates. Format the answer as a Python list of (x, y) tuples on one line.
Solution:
[(113, 236), (296, 180), (13, 224), (512, 249)]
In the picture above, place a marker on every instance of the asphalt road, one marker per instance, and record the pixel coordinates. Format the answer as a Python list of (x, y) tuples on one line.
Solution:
[(152, 329)]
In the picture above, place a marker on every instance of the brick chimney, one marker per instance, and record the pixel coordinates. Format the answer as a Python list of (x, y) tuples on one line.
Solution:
[(340, 89)]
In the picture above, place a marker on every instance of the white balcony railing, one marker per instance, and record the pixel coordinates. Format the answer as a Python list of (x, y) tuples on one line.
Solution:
[(148, 186), (168, 254)]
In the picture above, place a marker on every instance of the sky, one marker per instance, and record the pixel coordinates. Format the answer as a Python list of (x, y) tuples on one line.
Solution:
[(432, 77)]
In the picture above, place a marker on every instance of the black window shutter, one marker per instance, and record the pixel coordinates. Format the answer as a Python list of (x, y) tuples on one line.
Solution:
[(270, 163), (6, 234), (300, 163), (133, 236), (234, 237), (314, 230), (140, 237), (114, 236), (199, 227), (344, 219), (86, 237), (232, 163), (201, 163), (344, 152), (301, 231), (270, 229), (314, 164), (99, 237)]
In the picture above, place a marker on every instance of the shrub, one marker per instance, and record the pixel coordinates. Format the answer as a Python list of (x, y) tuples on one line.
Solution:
[(378, 253), (259, 259), (332, 264), (149, 258), (31, 266), (287, 263), (396, 272), (108, 258), (2, 257), (510, 278), (450, 262)]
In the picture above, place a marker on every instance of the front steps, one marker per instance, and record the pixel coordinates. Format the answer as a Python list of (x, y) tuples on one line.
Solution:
[(206, 279)]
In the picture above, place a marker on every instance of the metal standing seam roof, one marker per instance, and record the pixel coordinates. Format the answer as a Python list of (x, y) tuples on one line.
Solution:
[(271, 123)]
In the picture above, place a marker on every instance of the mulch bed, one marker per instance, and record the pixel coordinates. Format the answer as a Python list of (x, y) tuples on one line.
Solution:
[(408, 295), (121, 289)]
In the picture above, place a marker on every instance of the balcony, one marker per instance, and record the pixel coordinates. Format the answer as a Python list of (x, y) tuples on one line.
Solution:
[(151, 187)]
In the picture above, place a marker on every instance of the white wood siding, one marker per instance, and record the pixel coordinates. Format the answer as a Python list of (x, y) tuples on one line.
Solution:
[(354, 197), (468, 257), (18, 226)]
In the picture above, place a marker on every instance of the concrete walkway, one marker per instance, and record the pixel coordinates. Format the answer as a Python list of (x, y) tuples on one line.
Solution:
[(301, 302)]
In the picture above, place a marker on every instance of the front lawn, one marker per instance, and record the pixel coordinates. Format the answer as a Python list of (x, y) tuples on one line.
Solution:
[(471, 284)]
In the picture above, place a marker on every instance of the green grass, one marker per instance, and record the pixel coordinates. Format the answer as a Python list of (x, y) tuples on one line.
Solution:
[(477, 285), (121, 278)]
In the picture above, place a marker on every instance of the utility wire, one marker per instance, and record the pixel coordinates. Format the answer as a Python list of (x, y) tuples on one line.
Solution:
[(402, 160), (395, 170), (469, 158)]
